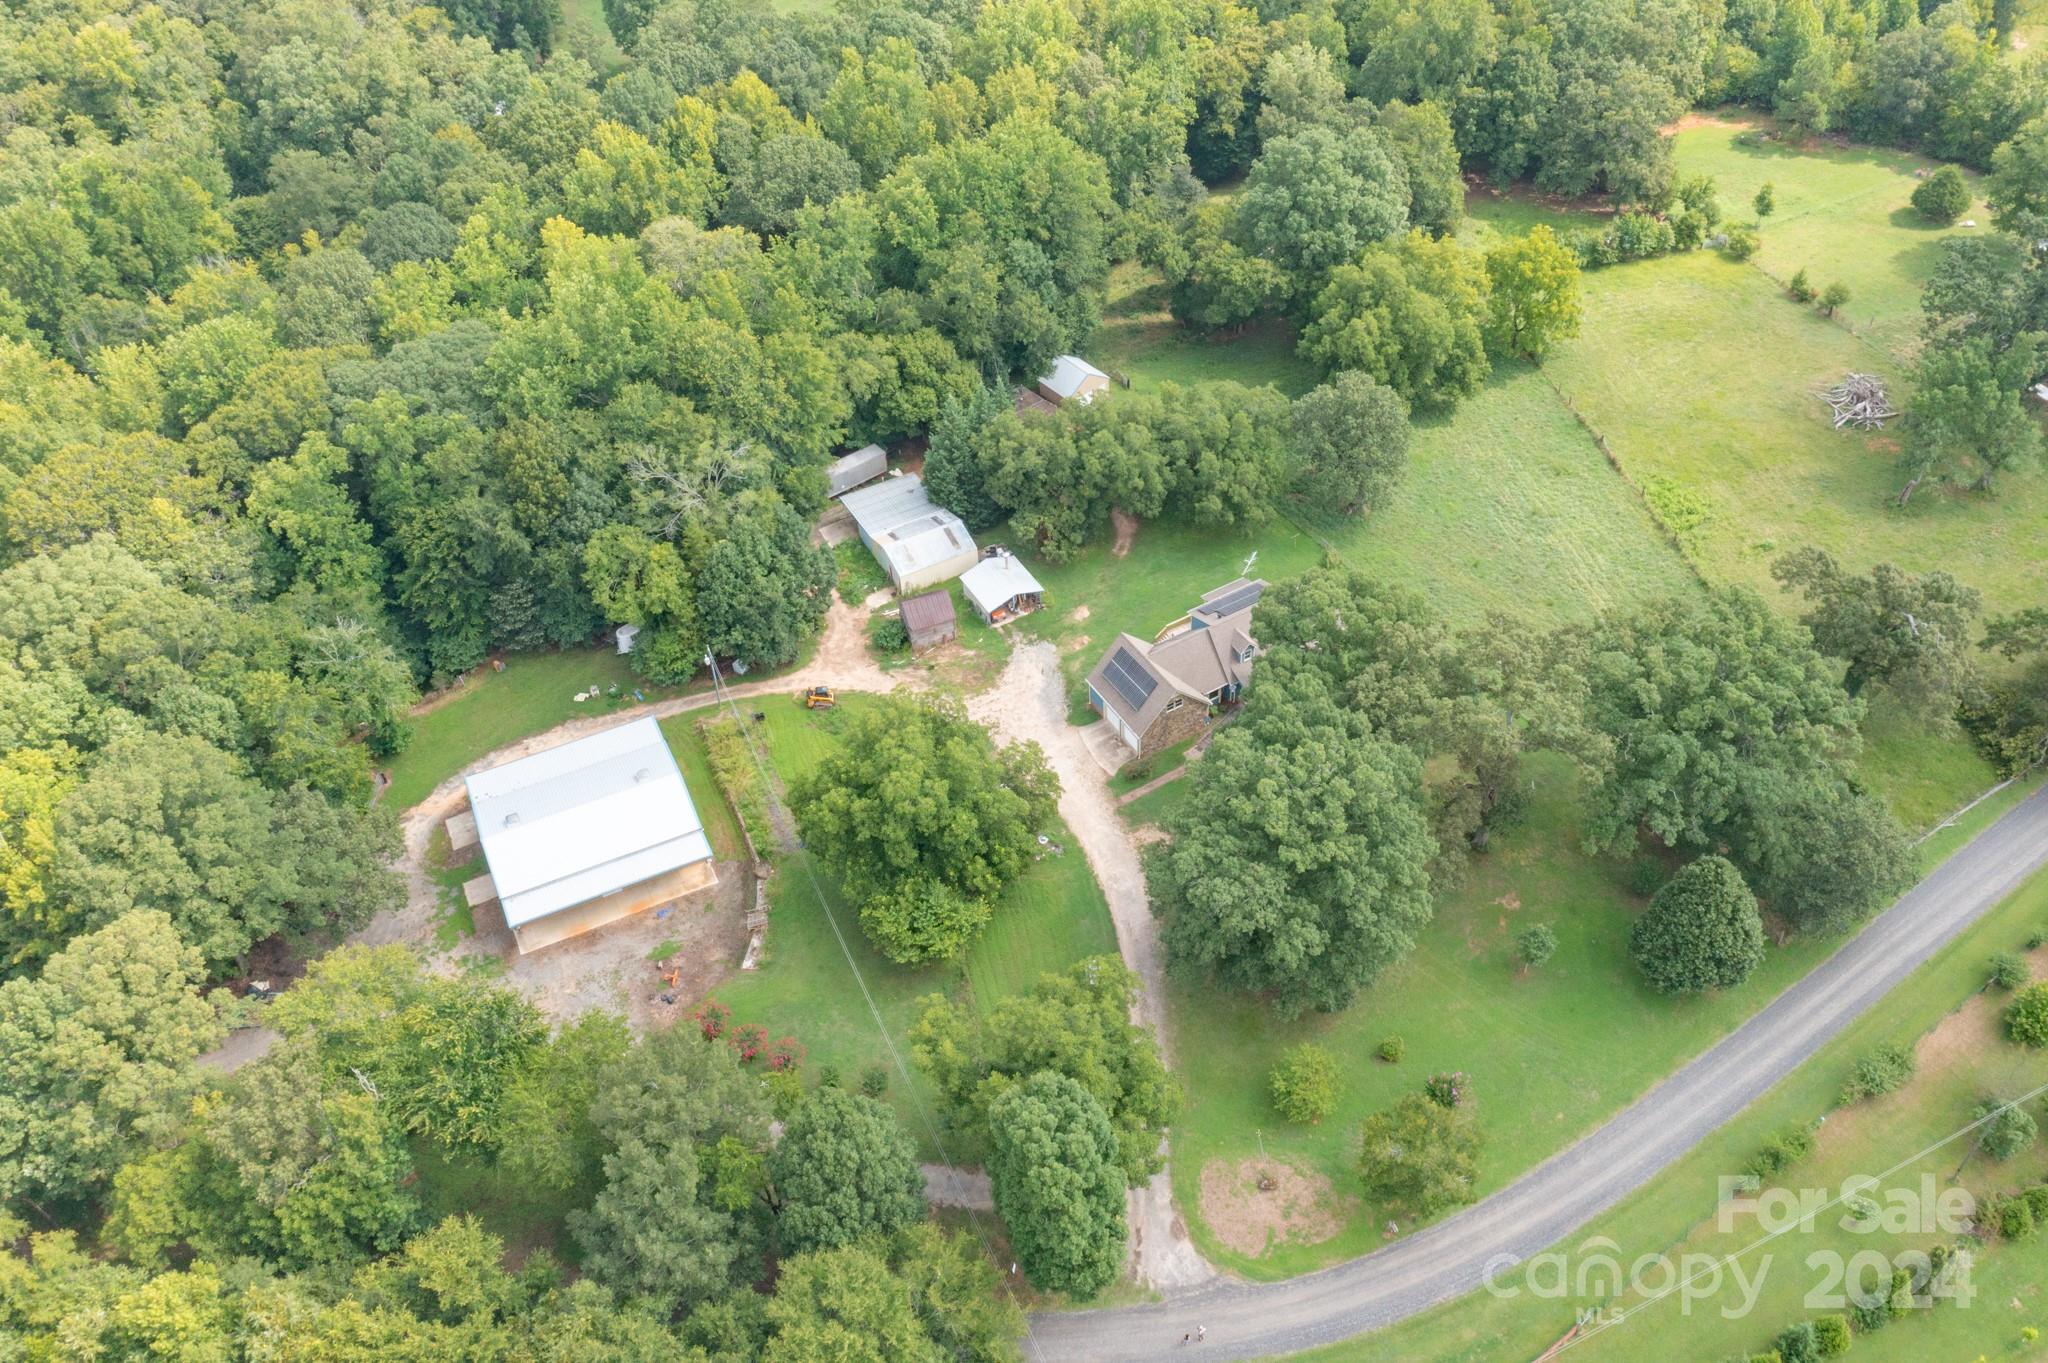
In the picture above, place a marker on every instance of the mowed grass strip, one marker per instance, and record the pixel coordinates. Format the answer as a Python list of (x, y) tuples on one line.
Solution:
[(1484, 1328), (1055, 915), (1698, 371)]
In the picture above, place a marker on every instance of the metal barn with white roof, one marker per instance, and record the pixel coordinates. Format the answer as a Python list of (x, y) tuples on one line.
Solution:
[(918, 542), (1000, 588), (1072, 379), (590, 832)]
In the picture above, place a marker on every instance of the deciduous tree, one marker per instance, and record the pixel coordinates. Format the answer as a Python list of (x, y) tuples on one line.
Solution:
[(1701, 931), (1058, 1185)]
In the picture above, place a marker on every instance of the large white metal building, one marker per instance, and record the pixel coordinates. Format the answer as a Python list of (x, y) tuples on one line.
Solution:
[(917, 541), (587, 833)]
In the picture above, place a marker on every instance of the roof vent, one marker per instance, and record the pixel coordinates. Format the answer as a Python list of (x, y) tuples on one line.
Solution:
[(512, 818), (642, 776)]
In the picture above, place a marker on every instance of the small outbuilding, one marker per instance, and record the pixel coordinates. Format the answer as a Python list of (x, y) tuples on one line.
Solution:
[(587, 833), (850, 471), (1072, 379), (917, 542), (1000, 588), (929, 620), (625, 635)]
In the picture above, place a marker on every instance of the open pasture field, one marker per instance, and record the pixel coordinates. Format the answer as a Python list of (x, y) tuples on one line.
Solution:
[(1699, 371)]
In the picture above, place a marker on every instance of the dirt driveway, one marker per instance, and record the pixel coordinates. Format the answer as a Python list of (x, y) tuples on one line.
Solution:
[(1030, 702)]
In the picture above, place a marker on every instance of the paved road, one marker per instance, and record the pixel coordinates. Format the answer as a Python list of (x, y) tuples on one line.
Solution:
[(1555, 1199)]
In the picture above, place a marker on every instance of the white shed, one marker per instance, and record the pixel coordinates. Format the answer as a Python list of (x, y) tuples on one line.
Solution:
[(625, 635), (1001, 588), (1072, 379), (848, 472)]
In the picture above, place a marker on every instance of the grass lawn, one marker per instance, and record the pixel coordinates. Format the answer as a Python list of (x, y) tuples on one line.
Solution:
[(535, 692), (1674, 1213), (585, 33), (1699, 372), (1540, 1046), (1052, 917), (1161, 805), (1139, 340), (1843, 213), (1509, 506)]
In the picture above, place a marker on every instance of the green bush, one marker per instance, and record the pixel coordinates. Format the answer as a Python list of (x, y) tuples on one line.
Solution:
[(888, 635), (1645, 877), (1700, 932), (874, 1081), (2009, 970), (2007, 1131), (2037, 939), (1392, 1049), (1884, 1069), (1831, 1333), (1783, 1150), (2037, 1202), (1800, 289), (2026, 1017), (1534, 946), (1742, 242), (1304, 1083), (2014, 1217), (1798, 1343), (1943, 196), (1834, 298)]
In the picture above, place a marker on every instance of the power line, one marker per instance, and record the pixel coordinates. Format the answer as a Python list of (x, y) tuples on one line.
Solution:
[(763, 762)]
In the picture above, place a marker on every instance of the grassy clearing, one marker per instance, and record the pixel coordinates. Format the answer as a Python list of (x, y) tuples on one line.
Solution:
[(1510, 506), (1140, 340), (860, 572), (1843, 213), (453, 918), (1161, 805), (534, 693), (1699, 372), (1540, 1046), (1482, 1328), (585, 33), (1052, 917)]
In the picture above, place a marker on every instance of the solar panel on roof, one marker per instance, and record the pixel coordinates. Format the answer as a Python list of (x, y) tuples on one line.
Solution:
[(1235, 602), (1132, 682)]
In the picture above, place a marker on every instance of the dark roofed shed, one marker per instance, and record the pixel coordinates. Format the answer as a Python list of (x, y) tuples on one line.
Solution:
[(929, 619)]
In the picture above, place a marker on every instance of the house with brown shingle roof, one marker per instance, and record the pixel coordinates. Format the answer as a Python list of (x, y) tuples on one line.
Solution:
[(1154, 695)]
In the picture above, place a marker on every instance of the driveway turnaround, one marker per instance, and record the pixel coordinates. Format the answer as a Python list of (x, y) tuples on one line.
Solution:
[(1546, 1205)]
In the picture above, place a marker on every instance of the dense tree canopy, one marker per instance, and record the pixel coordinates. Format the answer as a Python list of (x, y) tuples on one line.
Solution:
[(1058, 1186), (843, 1170), (1911, 633), (1715, 724), (1076, 1023), (923, 820), (1308, 895)]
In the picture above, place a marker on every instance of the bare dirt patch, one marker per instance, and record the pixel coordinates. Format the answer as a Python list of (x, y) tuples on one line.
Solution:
[(1126, 532), (1256, 1205), (1958, 1039), (1078, 613), (700, 937)]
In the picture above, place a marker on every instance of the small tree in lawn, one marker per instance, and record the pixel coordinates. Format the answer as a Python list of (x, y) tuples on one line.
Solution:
[(1419, 1154), (1350, 443), (1742, 242), (1943, 196), (1801, 288), (1535, 945), (1305, 1083), (923, 821), (1765, 201), (2007, 1130), (2026, 1017), (1834, 298), (843, 1170), (1058, 1186), (1701, 930)]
